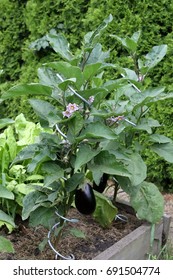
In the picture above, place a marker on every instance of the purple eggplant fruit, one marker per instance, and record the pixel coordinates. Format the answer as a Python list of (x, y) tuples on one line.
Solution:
[(85, 201)]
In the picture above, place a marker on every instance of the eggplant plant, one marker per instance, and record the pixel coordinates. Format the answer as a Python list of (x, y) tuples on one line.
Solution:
[(95, 128)]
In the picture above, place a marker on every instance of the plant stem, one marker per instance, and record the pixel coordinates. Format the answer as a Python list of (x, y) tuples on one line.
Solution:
[(136, 66), (57, 239)]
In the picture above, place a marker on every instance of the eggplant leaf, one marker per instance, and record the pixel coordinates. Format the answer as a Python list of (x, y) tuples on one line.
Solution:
[(43, 216), (60, 45), (84, 155), (77, 233), (97, 130), (137, 168), (164, 150), (106, 162), (105, 211), (5, 245), (148, 202), (24, 90)]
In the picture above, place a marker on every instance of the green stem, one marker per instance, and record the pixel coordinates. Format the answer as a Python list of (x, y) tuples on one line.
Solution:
[(152, 238), (136, 66), (85, 59)]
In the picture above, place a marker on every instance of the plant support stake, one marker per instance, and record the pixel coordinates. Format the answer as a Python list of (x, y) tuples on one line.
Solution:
[(57, 254), (77, 94), (135, 87), (60, 132)]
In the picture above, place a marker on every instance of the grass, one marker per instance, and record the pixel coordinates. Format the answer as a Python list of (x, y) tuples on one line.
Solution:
[(166, 253)]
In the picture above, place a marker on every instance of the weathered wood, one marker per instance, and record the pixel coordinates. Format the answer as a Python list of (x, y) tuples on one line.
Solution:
[(166, 228), (136, 245)]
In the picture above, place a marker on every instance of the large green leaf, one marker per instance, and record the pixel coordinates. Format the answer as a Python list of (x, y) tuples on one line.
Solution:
[(97, 55), (40, 151), (45, 111), (43, 155), (75, 125), (148, 202), (25, 90), (90, 70), (92, 38), (65, 84), (67, 71), (147, 96), (31, 202), (130, 74), (5, 245), (107, 163), (97, 130), (125, 184), (6, 193), (60, 45), (137, 169), (155, 56), (43, 216), (26, 153), (53, 168), (74, 181), (84, 155), (129, 43), (164, 150), (47, 77), (55, 172), (6, 218), (105, 211), (147, 124), (158, 138)]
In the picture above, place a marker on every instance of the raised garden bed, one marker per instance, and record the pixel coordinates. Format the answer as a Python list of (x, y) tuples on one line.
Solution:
[(26, 240), (136, 245), (129, 240)]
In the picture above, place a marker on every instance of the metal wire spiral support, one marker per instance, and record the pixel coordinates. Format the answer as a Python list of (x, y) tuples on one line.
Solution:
[(57, 254), (121, 218)]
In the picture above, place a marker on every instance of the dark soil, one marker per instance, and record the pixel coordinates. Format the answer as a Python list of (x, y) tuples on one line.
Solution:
[(26, 240)]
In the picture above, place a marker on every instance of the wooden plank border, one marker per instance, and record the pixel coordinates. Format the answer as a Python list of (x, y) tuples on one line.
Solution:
[(136, 245)]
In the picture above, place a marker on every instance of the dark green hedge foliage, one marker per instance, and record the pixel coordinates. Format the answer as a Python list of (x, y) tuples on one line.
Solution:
[(22, 22)]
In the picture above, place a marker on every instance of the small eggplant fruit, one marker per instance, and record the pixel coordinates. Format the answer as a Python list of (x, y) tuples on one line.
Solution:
[(102, 185), (85, 201)]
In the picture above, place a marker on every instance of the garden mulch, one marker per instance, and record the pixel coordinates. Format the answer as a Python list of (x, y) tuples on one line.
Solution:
[(26, 240)]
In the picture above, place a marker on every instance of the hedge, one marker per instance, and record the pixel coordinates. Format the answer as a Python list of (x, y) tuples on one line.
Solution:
[(23, 22)]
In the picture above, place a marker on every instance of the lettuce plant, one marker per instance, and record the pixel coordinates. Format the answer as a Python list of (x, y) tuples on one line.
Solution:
[(14, 179)]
